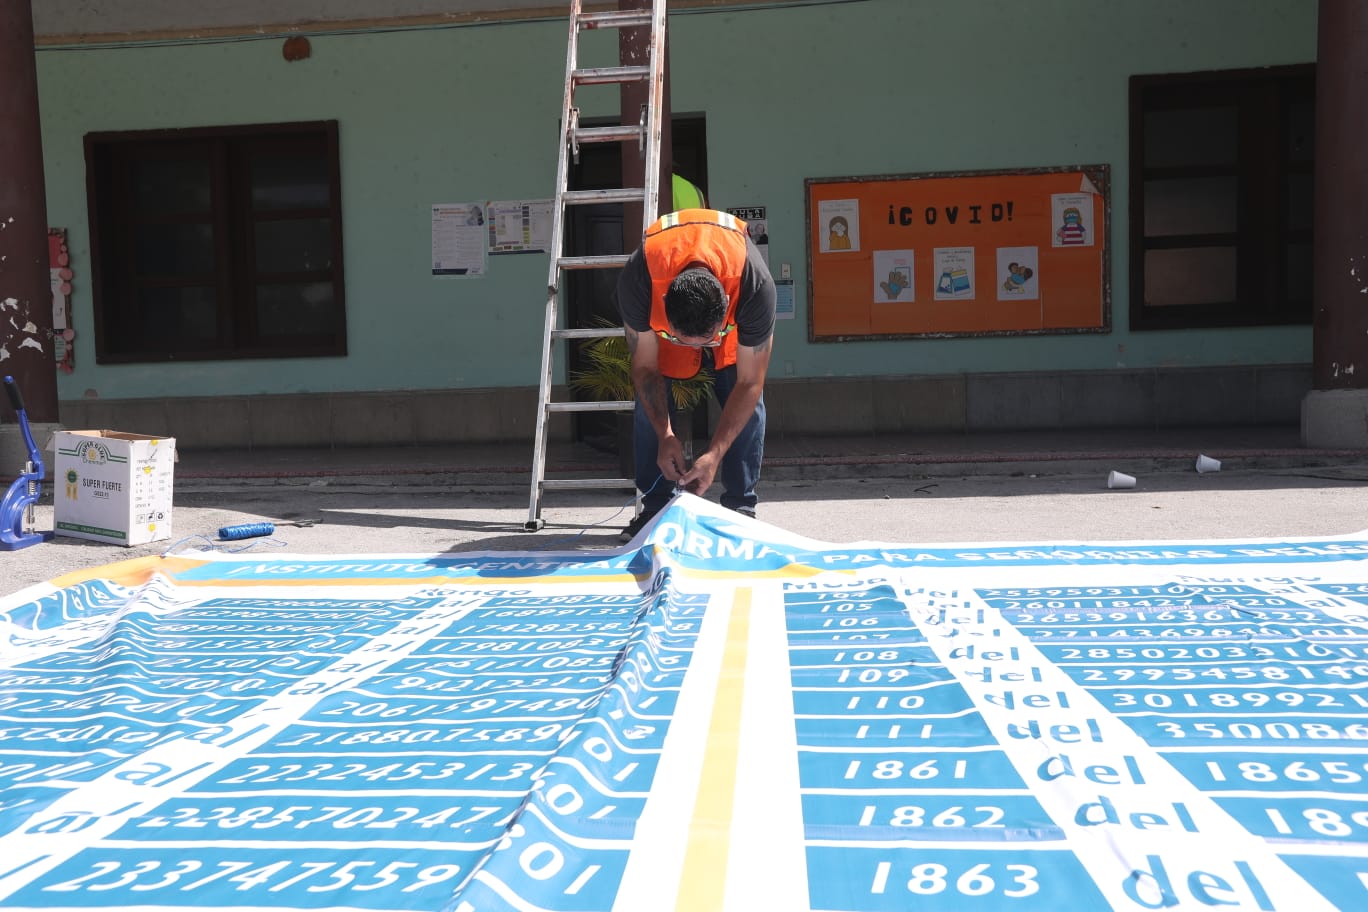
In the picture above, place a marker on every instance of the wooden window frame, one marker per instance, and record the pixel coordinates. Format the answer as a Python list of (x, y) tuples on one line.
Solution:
[(228, 151), (1262, 98)]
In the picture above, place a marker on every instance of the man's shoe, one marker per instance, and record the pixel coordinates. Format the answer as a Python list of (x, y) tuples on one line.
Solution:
[(635, 526), (745, 511)]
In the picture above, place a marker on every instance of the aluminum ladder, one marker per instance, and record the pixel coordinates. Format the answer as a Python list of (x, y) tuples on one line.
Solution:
[(647, 135)]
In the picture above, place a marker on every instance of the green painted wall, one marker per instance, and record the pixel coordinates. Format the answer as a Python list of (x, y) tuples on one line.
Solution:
[(471, 113)]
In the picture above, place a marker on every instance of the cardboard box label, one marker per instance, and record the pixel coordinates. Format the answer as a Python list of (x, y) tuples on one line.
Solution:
[(113, 486)]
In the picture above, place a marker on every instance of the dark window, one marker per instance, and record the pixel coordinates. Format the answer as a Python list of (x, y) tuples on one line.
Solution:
[(216, 243), (1220, 198)]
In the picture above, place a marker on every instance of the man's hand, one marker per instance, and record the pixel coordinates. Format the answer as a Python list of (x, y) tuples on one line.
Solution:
[(670, 458), (698, 479)]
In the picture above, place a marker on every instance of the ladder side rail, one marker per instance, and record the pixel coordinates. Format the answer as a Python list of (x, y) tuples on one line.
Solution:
[(551, 319), (650, 211)]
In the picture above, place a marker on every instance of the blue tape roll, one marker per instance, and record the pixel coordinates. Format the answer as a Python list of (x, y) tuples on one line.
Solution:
[(246, 530)]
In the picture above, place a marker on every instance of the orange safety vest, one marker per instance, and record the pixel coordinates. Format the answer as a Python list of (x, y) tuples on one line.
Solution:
[(675, 241)]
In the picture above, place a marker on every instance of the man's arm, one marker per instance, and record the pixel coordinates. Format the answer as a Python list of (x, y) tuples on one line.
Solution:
[(652, 392), (752, 364), (755, 331), (647, 379)]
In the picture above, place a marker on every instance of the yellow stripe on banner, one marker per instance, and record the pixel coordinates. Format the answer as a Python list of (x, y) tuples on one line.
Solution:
[(438, 580), (137, 571), (702, 882)]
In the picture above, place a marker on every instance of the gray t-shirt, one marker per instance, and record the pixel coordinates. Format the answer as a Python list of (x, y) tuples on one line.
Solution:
[(754, 312)]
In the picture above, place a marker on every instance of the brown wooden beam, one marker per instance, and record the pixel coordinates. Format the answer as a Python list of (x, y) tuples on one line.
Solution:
[(25, 293), (1340, 321), (281, 29)]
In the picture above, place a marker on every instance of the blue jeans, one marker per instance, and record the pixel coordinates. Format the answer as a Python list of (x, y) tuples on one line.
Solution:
[(740, 470)]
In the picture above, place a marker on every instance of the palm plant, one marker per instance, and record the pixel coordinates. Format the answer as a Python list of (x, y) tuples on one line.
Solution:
[(607, 375)]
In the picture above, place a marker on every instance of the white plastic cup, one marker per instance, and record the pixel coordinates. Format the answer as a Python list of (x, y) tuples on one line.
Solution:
[(1207, 464), (1120, 480)]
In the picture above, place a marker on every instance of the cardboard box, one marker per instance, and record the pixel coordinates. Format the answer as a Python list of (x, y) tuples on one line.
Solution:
[(113, 487)]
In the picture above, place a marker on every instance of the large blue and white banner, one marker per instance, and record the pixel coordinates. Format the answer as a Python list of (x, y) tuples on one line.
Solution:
[(719, 716)]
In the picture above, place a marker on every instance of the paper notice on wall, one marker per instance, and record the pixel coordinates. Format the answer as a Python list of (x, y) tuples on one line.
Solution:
[(59, 281), (893, 274), (838, 226), (954, 270), (757, 227), (519, 226), (1071, 220), (1018, 273), (458, 239), (784, 306)]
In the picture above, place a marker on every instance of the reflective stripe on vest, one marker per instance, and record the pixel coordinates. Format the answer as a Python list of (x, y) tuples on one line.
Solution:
[(696, 217), (677, 240)]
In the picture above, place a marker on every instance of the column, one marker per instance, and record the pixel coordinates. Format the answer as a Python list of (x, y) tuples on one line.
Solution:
[(25, 297), (1335, 412)]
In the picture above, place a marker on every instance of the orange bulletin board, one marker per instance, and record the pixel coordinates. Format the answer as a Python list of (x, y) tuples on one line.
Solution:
[(965, 254)]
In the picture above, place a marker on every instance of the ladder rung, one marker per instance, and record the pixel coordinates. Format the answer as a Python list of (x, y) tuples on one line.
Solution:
[(589, 332), (562, 484), (616, 133), (603, 261), (615, 19), (620, 405), (609, 75), (587, 197)]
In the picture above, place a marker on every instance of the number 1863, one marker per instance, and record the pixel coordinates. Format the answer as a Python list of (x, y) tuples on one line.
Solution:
[(1015, 880)]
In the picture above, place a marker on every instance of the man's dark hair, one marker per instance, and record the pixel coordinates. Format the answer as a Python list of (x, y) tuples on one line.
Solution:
[(695, 302)]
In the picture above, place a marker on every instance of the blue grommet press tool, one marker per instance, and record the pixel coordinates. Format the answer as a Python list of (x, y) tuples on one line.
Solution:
[(16, 511)]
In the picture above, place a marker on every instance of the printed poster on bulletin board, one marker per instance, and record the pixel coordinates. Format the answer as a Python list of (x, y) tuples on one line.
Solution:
[(959, 254)]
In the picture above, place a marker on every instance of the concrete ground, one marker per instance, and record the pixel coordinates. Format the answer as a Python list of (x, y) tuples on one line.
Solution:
[(1017, 487)]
